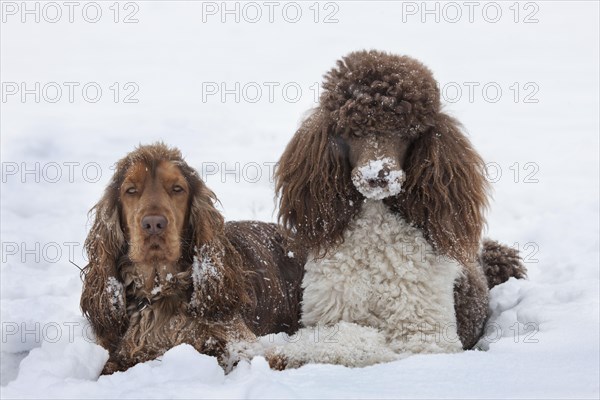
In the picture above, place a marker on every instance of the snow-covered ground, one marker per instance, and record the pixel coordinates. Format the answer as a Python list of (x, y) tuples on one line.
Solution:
[(230, 95)]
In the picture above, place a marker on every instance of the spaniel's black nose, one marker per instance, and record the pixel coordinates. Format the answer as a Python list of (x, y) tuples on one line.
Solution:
[(154, 224)]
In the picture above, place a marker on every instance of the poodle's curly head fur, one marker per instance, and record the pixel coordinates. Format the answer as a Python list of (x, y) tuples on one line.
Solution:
[(379, 132), (371, 91)]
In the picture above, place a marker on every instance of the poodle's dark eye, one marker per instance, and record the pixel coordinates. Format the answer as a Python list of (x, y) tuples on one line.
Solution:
[(349, 133), (177, 189), (131, 190)]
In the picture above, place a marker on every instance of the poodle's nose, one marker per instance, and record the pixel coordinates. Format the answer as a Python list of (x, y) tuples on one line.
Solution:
[(154, 224), (375, 183), (381, 179)]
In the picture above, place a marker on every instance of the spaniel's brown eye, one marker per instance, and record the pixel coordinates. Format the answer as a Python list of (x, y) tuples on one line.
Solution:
[(131, 190), (177, 189)]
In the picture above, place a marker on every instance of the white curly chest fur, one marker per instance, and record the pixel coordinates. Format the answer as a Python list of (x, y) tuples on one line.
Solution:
[(385, 275)]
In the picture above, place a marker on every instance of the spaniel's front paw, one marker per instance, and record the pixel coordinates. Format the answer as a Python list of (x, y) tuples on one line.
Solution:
[(110, 368)]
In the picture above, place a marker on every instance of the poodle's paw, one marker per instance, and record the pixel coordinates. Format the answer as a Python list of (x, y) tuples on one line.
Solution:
[(277, 361), (280, 361)]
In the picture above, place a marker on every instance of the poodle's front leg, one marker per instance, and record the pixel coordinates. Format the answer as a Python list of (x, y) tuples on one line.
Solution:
[(343, 343)]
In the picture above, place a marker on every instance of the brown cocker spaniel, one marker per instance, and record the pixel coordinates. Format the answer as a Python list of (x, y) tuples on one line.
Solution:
[(165, 269)]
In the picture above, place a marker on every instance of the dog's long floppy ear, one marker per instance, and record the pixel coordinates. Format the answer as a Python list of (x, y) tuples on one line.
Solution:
[(205, 221), (312, 178), (103, 296), (445, 192), (218, 280)]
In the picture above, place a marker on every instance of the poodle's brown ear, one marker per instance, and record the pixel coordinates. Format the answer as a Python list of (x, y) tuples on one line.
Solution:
[(103, 297), (312, 178), (445, 192)]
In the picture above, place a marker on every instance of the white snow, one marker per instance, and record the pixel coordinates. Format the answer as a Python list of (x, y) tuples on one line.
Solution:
[(203, 268), (115, 288), (156, 290), (539, 137)]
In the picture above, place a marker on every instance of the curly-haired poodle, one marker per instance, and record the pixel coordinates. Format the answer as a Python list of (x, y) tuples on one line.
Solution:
[(388, 195)]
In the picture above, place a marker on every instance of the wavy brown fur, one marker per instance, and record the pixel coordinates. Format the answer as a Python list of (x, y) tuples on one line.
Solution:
[(368, 92), (232, 303), (317, 199)]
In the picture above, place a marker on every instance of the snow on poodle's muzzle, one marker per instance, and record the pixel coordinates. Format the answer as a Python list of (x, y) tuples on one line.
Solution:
[(378, 179)]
